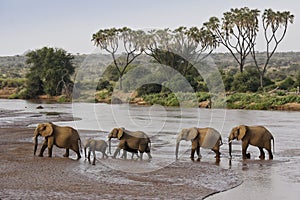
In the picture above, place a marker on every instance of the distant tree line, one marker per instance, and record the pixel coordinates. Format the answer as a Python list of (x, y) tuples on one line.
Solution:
[(237, 31)]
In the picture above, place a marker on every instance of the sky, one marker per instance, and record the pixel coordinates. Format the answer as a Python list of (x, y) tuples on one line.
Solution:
[(69, 24)]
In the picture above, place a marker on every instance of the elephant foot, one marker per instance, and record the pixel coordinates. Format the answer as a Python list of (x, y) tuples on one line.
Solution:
[(198, 160), (40, 155), (262, 157), (246, 156)]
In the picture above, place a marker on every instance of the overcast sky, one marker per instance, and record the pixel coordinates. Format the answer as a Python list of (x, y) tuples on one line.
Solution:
[(69, 24)]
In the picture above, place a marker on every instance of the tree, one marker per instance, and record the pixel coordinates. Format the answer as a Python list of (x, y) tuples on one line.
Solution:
[(50, 72), (110, 41), (248, 81), (180, 48), (274, 26), (236, 31)]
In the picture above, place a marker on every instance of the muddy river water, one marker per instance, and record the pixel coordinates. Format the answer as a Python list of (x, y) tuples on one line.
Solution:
[(260, 179)]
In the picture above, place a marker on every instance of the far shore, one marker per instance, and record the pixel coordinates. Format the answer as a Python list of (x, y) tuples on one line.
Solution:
[(248, 104)]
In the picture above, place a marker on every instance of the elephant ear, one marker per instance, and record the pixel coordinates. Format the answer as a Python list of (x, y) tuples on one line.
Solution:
[(191, 133), (47, 130), (242, 132), (120, 133)]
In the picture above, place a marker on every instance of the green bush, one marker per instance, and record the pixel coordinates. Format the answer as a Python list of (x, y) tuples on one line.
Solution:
[(287, 84), (149, 89)]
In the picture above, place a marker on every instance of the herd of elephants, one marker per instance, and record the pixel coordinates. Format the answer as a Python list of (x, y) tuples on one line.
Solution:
[(138, 142)]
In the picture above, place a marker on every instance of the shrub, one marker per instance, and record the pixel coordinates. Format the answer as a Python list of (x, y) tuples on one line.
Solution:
[(287, 84)]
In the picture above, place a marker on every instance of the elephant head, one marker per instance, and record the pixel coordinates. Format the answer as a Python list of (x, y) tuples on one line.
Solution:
[(238, 133), (44, 130), (115, 133), (185, 134)]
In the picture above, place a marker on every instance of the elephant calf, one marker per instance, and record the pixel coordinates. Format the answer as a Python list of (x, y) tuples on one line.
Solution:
[(257, 136), (95, 145), (61, 136)]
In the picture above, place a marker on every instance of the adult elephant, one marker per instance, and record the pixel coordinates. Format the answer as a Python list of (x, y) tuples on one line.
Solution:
[(257, 136), (94, 145), (61, 136), (200, 137), (131, 142)]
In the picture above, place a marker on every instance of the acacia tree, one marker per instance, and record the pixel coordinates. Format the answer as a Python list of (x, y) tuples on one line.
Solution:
[(110, 41), (179, 47), (237, 31), (275, 27), (48, 67)]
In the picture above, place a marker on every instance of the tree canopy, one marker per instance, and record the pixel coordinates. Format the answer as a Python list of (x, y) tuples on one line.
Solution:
[(50, 72)]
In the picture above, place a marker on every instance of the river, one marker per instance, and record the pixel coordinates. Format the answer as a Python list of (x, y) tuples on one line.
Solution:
[(276, 179)]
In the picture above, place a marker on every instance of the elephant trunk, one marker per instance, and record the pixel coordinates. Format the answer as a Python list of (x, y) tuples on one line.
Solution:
[(230, 147), (177, 148), (35, 144), (109, 145)]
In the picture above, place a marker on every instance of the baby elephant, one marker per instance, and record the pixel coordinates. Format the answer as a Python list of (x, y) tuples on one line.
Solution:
[(95, 145)]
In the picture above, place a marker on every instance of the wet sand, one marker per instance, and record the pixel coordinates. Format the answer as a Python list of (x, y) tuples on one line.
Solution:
[(24, 176)]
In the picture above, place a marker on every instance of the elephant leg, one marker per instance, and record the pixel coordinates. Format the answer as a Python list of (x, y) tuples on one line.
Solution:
[(43, 148), (67, 152), (116, 152), (262, 153), (192, 154), (198, 153), (50, 151), (270, 154), (89, 156), (124, 155), (141, 155), (217, 152), (216, 149), (149, 155), (94, 160), (104, 154), (50, 146), (244, 149)]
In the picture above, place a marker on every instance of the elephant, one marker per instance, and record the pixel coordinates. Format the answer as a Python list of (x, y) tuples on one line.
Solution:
[(257, 136), (95, 145), (200, 137), (131, 142), (61, 136)]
